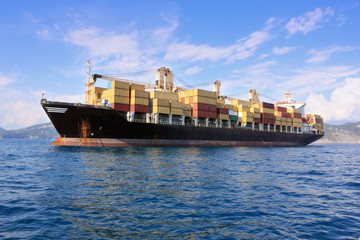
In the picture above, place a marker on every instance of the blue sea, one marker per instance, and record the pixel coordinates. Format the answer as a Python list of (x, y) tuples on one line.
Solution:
[(52, 192)]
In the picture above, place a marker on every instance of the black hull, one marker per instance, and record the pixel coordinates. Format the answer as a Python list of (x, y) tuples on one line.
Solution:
[(87, 125)]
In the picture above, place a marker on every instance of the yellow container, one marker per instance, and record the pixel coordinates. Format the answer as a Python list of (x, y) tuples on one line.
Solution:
[(267, 110), (160, 109), (164, 95), (139, 93), (187, 107), (187, 113), (238, 102), (241, 108), (255, 110), (204, 93), (230, 107), (246, 114), (293, 110), (220, 101), (257, 115), (247, 119), (118, 99), (160, 102), (205, 100), (139, 101), (223, 116), (220, 105), (120, 85), (177, 111), (134, 86), (115, 92), (176, 104)]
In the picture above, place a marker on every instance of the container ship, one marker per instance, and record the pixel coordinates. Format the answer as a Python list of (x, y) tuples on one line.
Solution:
[(128, 113)]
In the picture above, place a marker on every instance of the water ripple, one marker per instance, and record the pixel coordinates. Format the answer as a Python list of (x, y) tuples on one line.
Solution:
[(170, 193)]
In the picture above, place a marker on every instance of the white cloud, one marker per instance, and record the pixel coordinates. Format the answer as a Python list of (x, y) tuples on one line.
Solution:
[(344, 102), (283, 50), (319, 56), (4, 81), (193, 70), (309, 21), (304, 81), (104, 44), (43, 34), (241, 49)]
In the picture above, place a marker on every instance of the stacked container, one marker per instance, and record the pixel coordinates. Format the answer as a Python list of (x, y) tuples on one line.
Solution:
[(164, 95), (117, 95), (266, 112), (203, 102), (222, 112), (296, 117), (316, 121), (139, 101), (176, 108), (233, 112), (257, 115), (280, 116), (158, 105)]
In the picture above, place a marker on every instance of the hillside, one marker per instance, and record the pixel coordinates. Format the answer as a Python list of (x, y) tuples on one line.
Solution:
[(2, 130), (42, 131), (345, 133)]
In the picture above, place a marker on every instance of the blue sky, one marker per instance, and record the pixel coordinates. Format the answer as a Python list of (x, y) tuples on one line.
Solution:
[(311, 48)]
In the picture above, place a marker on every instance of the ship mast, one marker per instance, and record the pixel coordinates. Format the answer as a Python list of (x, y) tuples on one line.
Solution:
[(89, 85)]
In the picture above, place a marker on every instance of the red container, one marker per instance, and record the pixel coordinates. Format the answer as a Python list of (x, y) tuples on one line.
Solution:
[(204, 114), (182, 100), (266, 105), (267, 116), (296, 115), (204, 107), (223, 111), (139, 108), (280, 109), (257, 120), (120, 107)]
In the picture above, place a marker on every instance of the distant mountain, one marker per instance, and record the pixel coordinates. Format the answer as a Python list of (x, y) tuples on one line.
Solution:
[(345, 133), (42, 131), (2, 130)]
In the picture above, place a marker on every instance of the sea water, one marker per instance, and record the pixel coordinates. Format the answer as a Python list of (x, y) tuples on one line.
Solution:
[(51, 192)]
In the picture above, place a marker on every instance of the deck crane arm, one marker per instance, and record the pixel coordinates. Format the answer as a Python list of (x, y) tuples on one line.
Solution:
[(108, 78)]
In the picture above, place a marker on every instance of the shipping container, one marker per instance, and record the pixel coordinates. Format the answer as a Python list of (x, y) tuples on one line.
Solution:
[(120, 85), (139, 94), (280, 109), (134, 86), (238, 102), (266, 110), (204, 114), (118, 99), (223, 111), (264, 105), (177, 111), (204, 107), (160, 102), (120, 107), (159, 109), (139, 101), (164, 95), (115, 92), (139, 108), (206, 100), (223, 116)]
